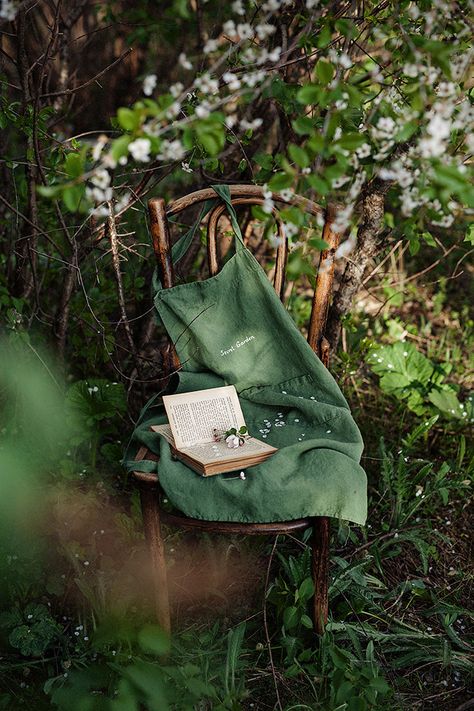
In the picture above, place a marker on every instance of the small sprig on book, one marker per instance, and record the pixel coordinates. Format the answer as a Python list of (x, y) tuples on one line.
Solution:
[(234, 438)]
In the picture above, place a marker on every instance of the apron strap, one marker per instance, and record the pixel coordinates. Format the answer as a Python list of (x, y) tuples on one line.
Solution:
[(224, 193), (181, 247)]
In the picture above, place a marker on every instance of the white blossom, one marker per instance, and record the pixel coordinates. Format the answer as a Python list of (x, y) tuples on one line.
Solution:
[(206, 84), (264, 30), (271, 5), (253, 78), (289, 229), (385, 128), (229, 28), (232, 442), (149, 84), (184, 62), (203, 110), (238, 7), (99, 195), (231, 120), (364, 150), (171, 150), (101, 179), (173, 110), (8, 10), (140, 149), (339, 182), (232, 80), (99, 146), (439, 127), (346, 247), (268, 203), (286, 194), (245, 30), (210, 46), (176, 89), (250, 125), (445, 89), (186, 167)]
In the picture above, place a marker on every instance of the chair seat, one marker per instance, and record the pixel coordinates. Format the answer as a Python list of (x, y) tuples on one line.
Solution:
[(181, 521), (249, 529)]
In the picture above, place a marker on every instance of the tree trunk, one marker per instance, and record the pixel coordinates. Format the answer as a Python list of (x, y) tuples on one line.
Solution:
[(369, 241)]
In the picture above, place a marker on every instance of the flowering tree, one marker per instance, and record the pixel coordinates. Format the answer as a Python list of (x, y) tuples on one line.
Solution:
[(364, 105)]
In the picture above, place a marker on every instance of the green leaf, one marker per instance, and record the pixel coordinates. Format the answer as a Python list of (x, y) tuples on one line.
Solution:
[(74, 198), (318, 184), (74, 165), (291, 617), (470, 234), (351, 141), (128, 119), (298, 155), (306, 590), (120, 147), (152, 639), (303, 125), (324, 71), (50, 191), (309, 94), (279, 181)]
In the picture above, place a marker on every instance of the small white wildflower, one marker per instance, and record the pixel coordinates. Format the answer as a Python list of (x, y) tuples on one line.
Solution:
[(271, 5), (203, 110), (446, 89), (231, 120), (245, 30), (186, 167), (206, 84), (210, 46), (232, 80), (140, 149), (184, 62), (176, 89), (242, 476), (238, 7), (101, 179), (286, 194), (229, 28), (265, 30), (250, 125), (289, 229), (171, 150), (274, 54), (364, 150), (253, 78), (419, 491), (98, 148), (8, 10), (149, 84), (232, 442)]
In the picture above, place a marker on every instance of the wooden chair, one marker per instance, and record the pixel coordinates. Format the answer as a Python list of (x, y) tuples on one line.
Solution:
[(153, 515)]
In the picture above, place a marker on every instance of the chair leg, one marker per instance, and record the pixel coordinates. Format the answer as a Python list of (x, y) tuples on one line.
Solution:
[(320, 571), (151, 520)]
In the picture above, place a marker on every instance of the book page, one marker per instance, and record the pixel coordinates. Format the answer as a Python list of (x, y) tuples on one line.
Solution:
[(219, 451), (164, 431), (194, 415)]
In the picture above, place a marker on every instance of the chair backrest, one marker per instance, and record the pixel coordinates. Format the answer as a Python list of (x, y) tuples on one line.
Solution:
[(250, 195)]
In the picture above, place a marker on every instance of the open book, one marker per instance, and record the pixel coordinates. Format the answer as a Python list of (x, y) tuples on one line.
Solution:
[(194, 417)]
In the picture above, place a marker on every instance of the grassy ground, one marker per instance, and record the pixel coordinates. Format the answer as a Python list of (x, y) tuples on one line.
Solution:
[(400, 631)]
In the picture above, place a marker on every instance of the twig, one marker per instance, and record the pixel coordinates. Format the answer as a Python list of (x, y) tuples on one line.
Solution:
[(265, 624), (112, 234), (89, 81)]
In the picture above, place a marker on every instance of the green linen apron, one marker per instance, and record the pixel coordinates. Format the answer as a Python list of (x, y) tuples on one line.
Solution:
[(231, 329)]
